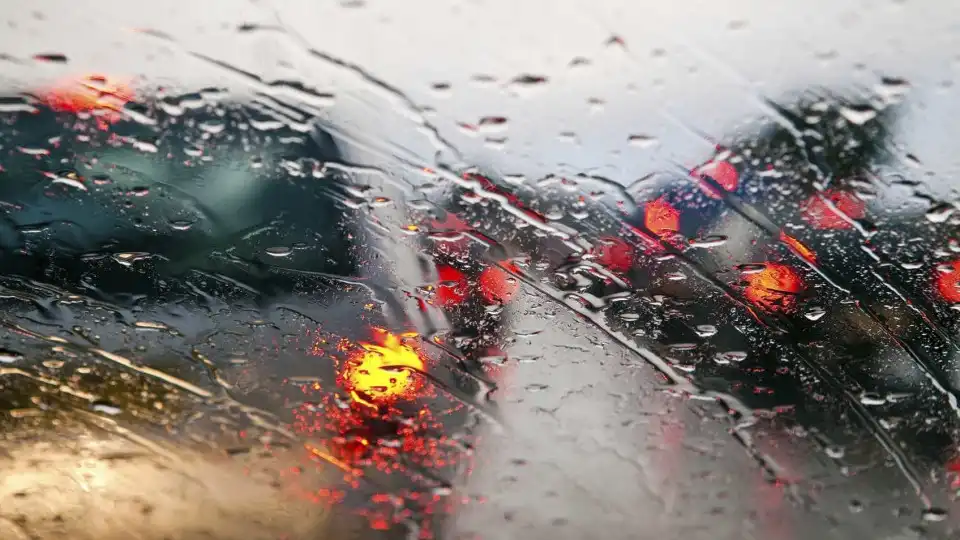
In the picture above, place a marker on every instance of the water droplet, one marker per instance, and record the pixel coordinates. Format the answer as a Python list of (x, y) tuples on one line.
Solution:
[(54, 58), (858, 114), (940, 213), (706, 330), (266, 124), (106, 407), (279, 251), (815, 313), (492, 123), (835, 452), (527, 84), (708, 241), (33, 151), (872, 399), (181, 225), (441, 88), (730, 356), (892, 89), (9, 357), (934, 514), (642, 141)]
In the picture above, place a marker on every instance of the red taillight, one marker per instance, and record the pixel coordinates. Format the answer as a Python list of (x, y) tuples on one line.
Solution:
[(453, 287), (661, 218), (947, 279), (819, 214), (90, 94), (497, 285), (615, 254), (773, 288), (722, 172)]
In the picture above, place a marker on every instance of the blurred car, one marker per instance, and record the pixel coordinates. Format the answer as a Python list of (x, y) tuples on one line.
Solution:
[(205, 278)]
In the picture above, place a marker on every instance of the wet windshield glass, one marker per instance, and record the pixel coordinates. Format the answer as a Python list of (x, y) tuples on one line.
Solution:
[(364, 270)]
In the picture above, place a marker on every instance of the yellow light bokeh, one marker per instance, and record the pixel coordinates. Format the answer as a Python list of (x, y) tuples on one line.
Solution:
[(383, 373)]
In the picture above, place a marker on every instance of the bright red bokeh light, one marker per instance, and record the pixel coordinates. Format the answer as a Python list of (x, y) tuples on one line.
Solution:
[(90, 93), (817, 213), (497, 286), (774, 288), (661, 218), (453, 287), (948, 283), (615, 254), (798, 247), (722, 172)]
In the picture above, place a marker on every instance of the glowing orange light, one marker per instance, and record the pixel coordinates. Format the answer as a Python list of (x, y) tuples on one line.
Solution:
[(774, 288), (89, 94), (497, 285), (818, 213), (661, 217), (453, 286), (615, 254), (948, 282), (383, 373), (722, 172), (798, 247)]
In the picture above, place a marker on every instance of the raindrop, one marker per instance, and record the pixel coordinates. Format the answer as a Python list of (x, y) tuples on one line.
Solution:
[(53, 58), (212, 127), (529, 80), (527, 84), (279, 251), (642, 141), (708, 241), (9, 357), (892, 89), (940, 213), (835, 452), (536, 387), (815, 313), (493, 123), (106, 407), (150, 325), (730, 356), (266, 124), (483, 79), (706, 330), (858, 114), (934, 514), (18, 104), (872, 399), (616, 41), (441, 89), (34, 151)]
